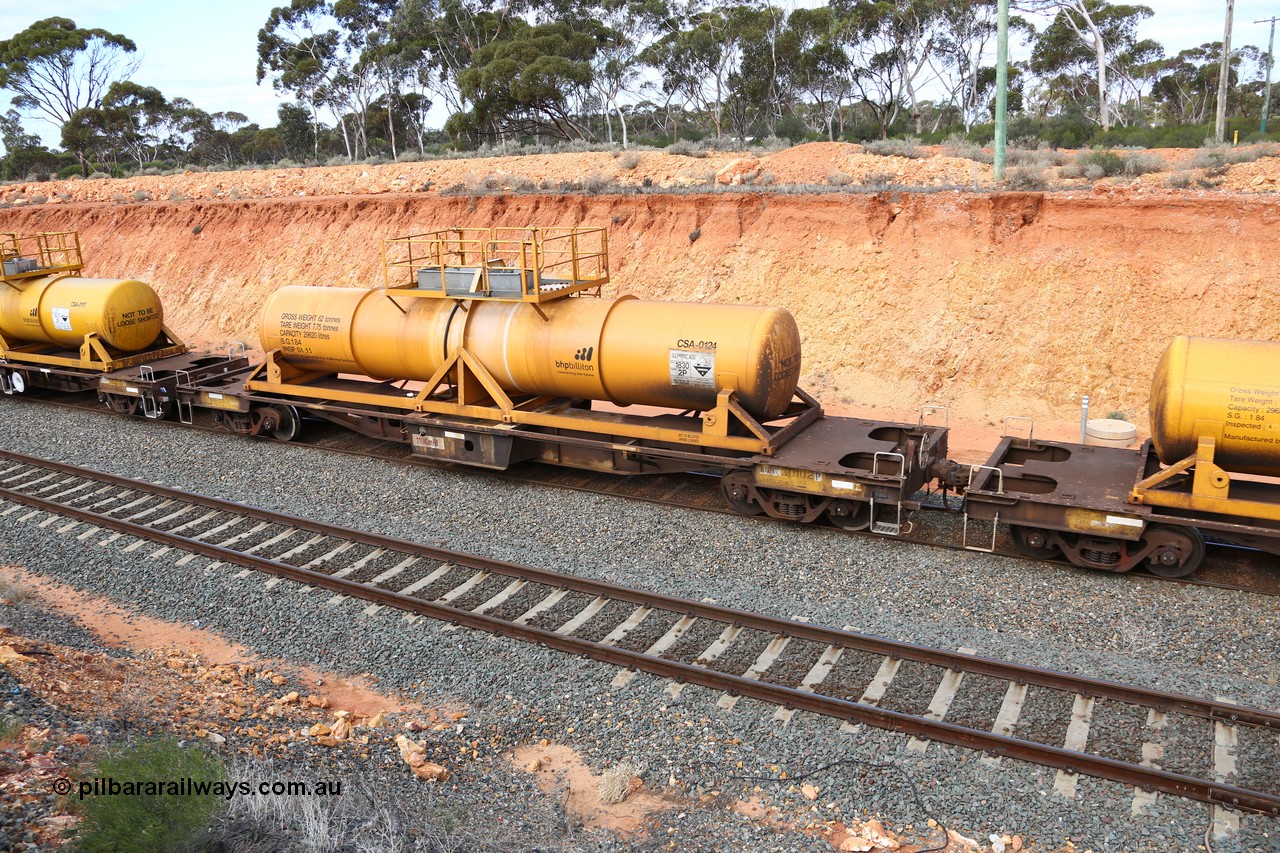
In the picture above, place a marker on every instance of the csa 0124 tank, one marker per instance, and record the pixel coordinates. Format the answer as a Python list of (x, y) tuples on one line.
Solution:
[(625, 350), (1226, 390), (62, 309)]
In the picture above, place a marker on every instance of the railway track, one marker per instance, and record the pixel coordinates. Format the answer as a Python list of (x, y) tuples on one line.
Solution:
[(792, 664), (1227, 567)]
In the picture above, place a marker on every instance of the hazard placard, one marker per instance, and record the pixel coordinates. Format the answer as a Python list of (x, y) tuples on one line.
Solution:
[(693, 369)]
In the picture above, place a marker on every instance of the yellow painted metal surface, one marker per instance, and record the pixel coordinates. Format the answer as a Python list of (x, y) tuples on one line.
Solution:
[(62, 310), (802, 480), (1104, 523), (1226, 390), (628, 351)]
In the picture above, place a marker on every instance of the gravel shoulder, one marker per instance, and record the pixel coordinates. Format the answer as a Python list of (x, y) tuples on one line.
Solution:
[(1194, 640)]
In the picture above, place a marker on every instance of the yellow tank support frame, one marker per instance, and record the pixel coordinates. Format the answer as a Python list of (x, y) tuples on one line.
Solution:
[(476, 394), (1210, 488)]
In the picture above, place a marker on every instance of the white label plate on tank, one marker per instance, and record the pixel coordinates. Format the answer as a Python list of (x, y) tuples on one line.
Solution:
[(693, 369), (62, 319)]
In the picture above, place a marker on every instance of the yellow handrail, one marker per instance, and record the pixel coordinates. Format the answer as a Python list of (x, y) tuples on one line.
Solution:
[(575, 258), (51, 251)]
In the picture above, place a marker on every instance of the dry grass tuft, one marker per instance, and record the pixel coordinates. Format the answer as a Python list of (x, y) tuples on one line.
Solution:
[(616, 782)]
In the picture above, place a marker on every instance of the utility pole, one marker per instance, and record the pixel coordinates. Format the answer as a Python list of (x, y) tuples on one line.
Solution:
[(1220, 124), (1002, 87), (1266, 93)]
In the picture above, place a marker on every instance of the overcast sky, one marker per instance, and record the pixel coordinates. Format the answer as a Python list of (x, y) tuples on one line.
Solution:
[(209, 57)]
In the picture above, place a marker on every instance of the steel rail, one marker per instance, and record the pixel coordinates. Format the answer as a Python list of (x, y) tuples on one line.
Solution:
[(1148, 778), (1004, 670)]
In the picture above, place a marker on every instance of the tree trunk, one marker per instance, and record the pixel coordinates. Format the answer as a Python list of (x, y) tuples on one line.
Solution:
[(315, 132), (346, 137), (1104, 102), (391, 117), (622, 119)]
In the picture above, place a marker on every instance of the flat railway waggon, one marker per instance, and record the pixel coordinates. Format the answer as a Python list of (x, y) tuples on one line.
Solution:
[(492, 347)]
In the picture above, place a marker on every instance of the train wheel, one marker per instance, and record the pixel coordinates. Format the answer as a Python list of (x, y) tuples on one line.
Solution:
[(1178, 551), (121, 404), (285, 422), (737, 490), (849, 515), (1033, 543)]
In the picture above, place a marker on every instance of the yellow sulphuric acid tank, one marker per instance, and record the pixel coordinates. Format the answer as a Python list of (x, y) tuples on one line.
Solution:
[(62, 309), (1224, 389), (624, 350)]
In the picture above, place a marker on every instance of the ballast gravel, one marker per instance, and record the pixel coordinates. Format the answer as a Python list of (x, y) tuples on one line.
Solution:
[(1202, 641)]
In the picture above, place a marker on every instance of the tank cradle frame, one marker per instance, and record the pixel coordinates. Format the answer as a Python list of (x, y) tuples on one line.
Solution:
[(1210, 488), (93, 355), (472, 392)]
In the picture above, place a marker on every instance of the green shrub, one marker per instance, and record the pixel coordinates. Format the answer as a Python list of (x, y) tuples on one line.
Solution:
[(909, 148), (68, 172), (1100, 164), (1180, 181), (1025, 178), (1143, 163), (686, 148), (1038, 158), (151, 822)]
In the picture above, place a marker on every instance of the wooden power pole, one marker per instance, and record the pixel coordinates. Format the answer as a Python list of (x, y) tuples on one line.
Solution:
[(1220, 124)]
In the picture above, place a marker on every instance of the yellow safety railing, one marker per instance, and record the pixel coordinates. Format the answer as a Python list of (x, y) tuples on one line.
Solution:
[(551, 262), (26, 256)]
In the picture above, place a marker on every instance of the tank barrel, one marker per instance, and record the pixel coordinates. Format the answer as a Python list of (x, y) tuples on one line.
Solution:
[(63, 309), (1227, 390), (625, 350)]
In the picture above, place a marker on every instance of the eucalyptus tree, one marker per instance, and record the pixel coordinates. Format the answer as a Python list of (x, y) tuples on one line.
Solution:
[(300, 48), (523, 84), (56, 68), (136, 117), (1086, 36), (698, 55), (22, 150), (1186, 85), (964, 45), (888, 47), (821, 68), (435, 42)]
